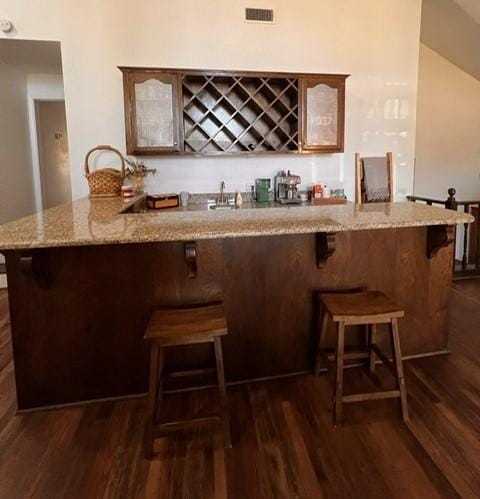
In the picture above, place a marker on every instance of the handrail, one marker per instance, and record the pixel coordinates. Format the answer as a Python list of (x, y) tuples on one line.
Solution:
[(441, 201), (426, 200), (463, 268)]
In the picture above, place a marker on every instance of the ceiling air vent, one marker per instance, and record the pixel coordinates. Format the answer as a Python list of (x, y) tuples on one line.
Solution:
[(259, 15)]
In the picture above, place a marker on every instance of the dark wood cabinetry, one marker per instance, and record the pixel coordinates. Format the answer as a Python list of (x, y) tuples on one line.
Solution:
[(152, 112), (174, 111), (322, 102)]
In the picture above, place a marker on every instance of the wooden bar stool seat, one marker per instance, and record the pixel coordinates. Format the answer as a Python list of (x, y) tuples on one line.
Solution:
[(367, 308), (179, 327)]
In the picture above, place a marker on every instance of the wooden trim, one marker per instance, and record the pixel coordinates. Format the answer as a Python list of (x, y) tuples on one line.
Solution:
[(56, 407), (223, 72), (390, 175), (358, 178)]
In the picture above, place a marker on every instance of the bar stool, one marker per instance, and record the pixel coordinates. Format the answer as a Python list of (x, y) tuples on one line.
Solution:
[(179, 327), (367, 308)]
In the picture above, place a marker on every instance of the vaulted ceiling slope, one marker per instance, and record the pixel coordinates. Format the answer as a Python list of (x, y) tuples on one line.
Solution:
[(452, 28)]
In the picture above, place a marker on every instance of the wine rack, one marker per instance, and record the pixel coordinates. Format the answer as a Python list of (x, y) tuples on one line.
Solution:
[(224, 114)]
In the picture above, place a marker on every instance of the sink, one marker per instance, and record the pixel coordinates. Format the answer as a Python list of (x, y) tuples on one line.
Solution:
[(139, 206), (222, 207), (213, 204)]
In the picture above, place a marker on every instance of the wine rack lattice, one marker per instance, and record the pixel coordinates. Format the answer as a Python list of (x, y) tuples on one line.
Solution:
[(239, 114)]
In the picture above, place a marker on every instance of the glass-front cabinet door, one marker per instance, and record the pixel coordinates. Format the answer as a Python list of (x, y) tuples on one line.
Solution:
[(322, 103), (151, 110)]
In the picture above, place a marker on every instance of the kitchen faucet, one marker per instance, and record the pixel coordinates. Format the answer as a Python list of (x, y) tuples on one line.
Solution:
[(222, 199)]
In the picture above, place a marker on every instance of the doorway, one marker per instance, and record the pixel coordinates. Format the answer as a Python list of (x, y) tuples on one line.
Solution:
[(53, 159)]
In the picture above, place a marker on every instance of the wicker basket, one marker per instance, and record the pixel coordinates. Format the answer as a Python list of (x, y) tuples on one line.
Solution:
[(106, 182)]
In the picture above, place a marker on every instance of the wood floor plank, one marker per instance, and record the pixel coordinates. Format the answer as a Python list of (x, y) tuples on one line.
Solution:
[(284, 443)]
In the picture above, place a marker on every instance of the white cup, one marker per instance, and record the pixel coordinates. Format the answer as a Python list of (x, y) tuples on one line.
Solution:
[(184, 195)]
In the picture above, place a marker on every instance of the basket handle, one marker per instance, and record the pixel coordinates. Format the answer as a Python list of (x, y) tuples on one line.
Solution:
[(104, 148)]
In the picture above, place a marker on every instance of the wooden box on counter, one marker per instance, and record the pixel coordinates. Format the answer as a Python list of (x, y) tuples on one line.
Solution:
[(159, 201)]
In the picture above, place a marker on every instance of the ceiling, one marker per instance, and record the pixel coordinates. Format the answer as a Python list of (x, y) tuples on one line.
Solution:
[(452, 28), (32, 56), (471, 7)]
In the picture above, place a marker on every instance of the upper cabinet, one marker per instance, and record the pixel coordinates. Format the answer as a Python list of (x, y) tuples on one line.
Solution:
[(171, 111), (152, 112), (323, 114)]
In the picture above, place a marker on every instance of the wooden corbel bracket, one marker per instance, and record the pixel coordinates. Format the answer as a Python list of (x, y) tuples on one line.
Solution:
[(36, 266), (439, 236), (325, 243), (191, 259)]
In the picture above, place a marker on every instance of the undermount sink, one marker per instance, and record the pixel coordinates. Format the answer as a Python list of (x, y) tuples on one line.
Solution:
[(222, 206)]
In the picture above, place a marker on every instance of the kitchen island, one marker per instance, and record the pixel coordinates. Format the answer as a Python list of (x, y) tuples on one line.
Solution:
[(84, 277)]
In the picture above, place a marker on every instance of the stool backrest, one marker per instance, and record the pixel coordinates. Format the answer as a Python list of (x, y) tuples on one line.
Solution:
[(374, 179)]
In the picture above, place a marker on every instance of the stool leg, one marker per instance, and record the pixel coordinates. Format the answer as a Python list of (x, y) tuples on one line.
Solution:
[(337, 414), (156, 364), (321, 344), (223, 392), (372, 341), (159, 392), (397, 355)]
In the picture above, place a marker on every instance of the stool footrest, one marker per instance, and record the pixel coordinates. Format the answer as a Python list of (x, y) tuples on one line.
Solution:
[(189, 372), (349, 355), (386, 361), (159, 428), (360, 397)]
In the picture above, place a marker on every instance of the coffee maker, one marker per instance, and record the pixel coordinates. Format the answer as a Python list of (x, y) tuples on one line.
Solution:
[(286, 188)]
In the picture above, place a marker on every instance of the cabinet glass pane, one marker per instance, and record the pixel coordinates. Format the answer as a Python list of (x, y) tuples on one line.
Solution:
[(154, 113), (322, 115)]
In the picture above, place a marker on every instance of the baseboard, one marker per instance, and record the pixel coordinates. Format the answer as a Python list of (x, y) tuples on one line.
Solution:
[(204, 387)]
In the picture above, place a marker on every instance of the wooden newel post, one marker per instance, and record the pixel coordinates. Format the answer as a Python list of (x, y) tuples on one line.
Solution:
[(451, 202)]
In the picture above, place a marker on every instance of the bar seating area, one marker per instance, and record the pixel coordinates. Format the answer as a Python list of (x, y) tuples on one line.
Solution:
[(367, 309), (240, 249), (183, 327)]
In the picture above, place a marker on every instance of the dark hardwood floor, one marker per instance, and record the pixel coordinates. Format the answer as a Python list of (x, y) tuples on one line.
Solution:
[(284, 445)]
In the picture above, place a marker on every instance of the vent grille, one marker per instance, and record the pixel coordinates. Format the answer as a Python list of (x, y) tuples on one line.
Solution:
[(259, 15)]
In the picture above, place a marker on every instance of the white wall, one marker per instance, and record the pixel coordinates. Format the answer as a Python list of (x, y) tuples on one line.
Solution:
[(448, 129), (376, 41), (16, 185)]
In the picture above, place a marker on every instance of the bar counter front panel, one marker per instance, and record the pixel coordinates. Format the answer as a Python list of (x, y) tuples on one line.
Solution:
[(79, 313)]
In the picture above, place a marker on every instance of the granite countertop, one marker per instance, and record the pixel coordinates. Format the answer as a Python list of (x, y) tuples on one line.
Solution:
[(100, 221)]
